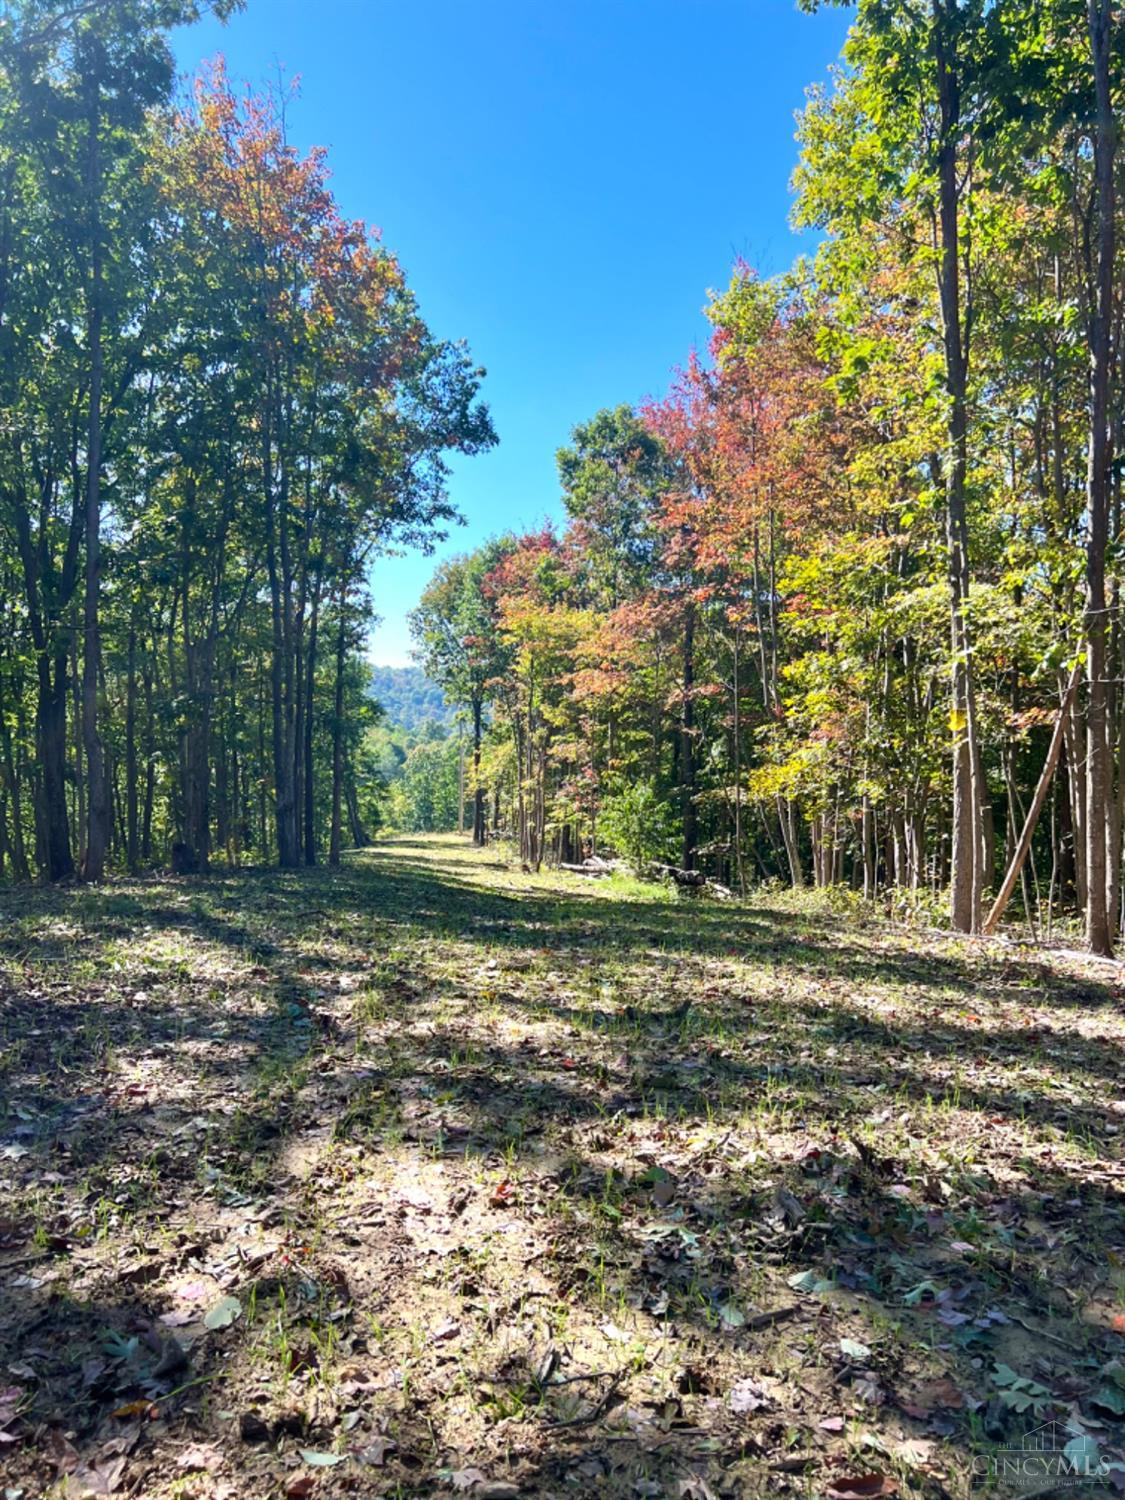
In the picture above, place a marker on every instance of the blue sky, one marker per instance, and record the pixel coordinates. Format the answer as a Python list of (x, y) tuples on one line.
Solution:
[(562, 181)]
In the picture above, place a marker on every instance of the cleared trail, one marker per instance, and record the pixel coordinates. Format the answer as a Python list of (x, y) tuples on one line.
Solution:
[(427, 1176)]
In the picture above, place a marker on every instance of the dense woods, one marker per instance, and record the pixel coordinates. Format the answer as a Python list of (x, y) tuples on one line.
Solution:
[(830, 609), (220, 401)]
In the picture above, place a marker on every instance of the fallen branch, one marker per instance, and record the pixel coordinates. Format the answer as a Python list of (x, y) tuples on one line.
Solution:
[(1009, 883)]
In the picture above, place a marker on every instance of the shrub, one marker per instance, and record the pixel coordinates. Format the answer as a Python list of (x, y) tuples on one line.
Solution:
[(638, 825)]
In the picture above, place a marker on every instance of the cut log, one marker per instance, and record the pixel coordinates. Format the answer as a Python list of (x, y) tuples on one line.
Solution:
[(694, 880)]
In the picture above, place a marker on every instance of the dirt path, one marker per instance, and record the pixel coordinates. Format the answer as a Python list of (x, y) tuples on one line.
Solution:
[(431, 1178)]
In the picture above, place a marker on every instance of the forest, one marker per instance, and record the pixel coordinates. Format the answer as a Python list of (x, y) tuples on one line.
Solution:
[(833, 609), (667, 1042), (221, 400)]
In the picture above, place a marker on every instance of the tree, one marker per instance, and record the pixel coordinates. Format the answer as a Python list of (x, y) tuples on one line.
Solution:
[(899, 144), (459, 644)]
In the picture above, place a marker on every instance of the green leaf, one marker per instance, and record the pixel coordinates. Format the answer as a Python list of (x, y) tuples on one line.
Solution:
[(1082, 1451), (321, 1460), (1110, 1398)]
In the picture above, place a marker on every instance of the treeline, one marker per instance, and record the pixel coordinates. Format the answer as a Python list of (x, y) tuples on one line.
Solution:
[(817, 613), (218, 402)]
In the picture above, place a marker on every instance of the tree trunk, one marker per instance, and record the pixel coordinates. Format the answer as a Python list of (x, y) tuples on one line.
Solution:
[(336, 835), (132, 828), (739, 872), (11, 775), (687, 746), (966, 881), (281, 658), (98, 806), (1099, 457), (150, 766), (479, 830), (307, 748), (52, 819)]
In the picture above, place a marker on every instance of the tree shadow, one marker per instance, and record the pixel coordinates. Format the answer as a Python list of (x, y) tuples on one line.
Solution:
[(131, 1013)]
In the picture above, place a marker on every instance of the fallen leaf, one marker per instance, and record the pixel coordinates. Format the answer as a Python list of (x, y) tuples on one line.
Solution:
[(252, 1429), (61, 1452), (134, 1409), (224, 1313), (862, 1487), (464, 1479), (200, 1457), (747, 1396), (618, 1335), (375, 1454), (934, 1394), (854, 1349), (321, 1460), (832, 1424), (100, 1479)]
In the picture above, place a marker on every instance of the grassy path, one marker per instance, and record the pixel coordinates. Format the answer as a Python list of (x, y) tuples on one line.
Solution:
[(429, 1177)]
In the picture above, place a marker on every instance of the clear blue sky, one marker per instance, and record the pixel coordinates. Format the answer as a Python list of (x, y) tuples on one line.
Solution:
[(562, 180)]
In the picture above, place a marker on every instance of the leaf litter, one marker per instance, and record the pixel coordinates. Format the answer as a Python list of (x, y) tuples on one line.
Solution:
[(424, 1193)]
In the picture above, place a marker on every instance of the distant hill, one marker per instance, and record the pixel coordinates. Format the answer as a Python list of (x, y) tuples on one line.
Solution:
[(409, 697)]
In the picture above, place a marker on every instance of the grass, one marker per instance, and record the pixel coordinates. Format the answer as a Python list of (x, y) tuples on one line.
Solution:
[(527, 1185)]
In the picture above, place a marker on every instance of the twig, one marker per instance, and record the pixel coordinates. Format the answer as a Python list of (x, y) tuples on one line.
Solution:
[(596, 1411), (547, 1385), (1040, 1333), (775, 1315)]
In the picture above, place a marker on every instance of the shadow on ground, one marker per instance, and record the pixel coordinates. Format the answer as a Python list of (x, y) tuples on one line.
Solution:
[(523, 1181)]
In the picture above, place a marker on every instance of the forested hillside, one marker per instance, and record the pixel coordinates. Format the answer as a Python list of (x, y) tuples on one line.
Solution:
[(408, 697)]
